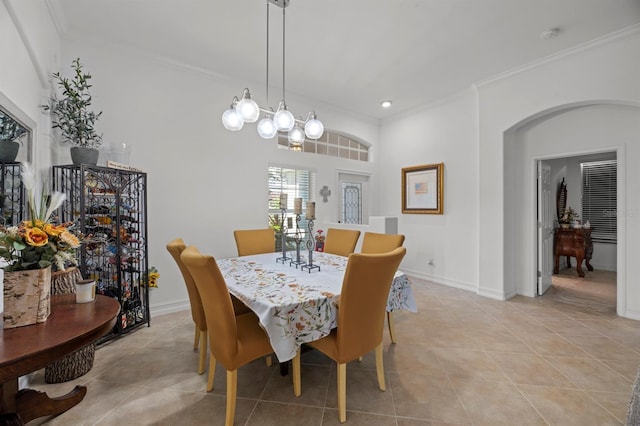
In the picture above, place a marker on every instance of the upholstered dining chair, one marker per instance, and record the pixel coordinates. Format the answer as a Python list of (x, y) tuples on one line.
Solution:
[(364, 294), (373, 242), (234, 340), (341, 241), (255, 241), (175, 248)]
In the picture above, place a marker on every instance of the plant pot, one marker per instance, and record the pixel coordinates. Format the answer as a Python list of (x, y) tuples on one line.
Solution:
[(27, 298), (8, 151), (82, 155)]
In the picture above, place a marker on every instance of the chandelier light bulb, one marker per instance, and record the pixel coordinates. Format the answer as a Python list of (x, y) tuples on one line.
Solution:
[(283, 119), (313, 128), (266, 128), (231, 120), (296, 136), (247, 108)]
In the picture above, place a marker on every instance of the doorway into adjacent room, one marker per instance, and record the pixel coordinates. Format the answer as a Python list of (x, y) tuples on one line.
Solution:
[(568, 182)]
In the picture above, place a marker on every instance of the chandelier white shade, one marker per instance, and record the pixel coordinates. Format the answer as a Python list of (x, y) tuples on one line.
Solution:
[(247, 110)]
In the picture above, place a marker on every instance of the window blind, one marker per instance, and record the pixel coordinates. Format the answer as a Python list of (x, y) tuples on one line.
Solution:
[(296, 183), (599, 199)]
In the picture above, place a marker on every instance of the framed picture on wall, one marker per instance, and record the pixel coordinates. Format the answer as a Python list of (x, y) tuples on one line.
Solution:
[(422, 189)]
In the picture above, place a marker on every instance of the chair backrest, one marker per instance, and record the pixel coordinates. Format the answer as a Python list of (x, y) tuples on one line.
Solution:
[(176, 247), (341, 241), (373, 242), (255, 241), (363, 301), (221, 322)]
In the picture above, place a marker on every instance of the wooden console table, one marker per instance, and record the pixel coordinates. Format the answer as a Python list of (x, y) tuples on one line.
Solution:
[(573, 242), (26, 349)]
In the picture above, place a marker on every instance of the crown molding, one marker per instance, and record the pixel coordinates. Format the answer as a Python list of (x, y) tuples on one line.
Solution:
[(608, 38)]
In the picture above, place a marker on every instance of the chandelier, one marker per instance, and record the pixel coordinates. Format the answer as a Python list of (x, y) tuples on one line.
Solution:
[(246, 110)]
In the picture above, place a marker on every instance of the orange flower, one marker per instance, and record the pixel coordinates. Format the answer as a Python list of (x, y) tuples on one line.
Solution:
[(33, 224), (69, 239), (54, 230), (36, 237)]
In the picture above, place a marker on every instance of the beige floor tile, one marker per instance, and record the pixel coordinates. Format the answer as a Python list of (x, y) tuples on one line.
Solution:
[(493, 403), (616, 403), (551, 344), (427, 397), (275, 414), (457, 356), (567, 407), (604, 348), (529, 369), (589, 374), (458, 363)]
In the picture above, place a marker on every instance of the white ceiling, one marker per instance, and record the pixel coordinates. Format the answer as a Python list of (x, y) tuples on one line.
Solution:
[(350, 53)]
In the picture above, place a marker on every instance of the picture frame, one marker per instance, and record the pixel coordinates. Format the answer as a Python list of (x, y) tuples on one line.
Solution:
[(422, 189)]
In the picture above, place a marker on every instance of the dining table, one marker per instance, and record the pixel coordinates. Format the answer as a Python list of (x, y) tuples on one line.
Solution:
[(296, 304)]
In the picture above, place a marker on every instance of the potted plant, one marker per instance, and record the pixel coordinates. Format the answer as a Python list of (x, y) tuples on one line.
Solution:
[(10, 133), (72, 116)]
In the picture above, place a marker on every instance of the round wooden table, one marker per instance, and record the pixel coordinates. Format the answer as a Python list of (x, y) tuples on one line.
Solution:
[(26, 349)]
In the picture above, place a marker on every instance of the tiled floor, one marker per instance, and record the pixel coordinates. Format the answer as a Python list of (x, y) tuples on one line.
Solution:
[(462, 359)]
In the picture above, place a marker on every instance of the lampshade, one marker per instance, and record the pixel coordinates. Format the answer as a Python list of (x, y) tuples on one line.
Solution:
[(231, 120), (266, 128), (296, 135), (247, 109), (283, 119), (313, 128)]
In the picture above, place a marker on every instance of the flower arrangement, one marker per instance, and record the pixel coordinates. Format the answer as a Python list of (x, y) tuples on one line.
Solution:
[(152, 276), (37, 242), (568, 216), (71, 113), (319, 236)]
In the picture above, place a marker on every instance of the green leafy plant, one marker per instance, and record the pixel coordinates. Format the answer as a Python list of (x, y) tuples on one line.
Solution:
[(10, 130), (569, 216), (71, 113)]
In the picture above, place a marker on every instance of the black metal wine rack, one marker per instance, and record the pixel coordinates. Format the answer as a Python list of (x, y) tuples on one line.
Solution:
[(12, 195), (109, 207)]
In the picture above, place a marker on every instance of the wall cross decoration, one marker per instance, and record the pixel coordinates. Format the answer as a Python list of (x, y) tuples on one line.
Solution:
[(325, 192)]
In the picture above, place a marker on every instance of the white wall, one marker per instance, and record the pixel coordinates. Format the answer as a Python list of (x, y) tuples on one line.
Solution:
[(203, 180), (608, 71), (445, 133), (30, 47)]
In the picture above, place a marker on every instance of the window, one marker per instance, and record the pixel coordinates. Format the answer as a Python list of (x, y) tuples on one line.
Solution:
[(599, 199), (295, 183), (332, 144)]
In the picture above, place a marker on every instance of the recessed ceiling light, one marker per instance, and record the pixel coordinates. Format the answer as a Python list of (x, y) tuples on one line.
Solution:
[(385, 104)]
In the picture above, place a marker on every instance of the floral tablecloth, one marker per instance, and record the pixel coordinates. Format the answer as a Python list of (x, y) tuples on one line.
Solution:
[(294, 305)]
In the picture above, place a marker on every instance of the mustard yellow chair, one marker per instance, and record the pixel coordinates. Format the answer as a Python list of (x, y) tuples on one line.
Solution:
[(255, 241), (382, 243), (341, 241), (364, 294), (175, 248), (234, 340)]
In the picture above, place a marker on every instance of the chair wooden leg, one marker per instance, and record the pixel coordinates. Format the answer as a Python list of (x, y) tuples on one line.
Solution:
[(342, 392), (203, 352), (212, 372), (296, 374), (268, 360), (196, 338), (392, 327), (232, 388), (380, 368)]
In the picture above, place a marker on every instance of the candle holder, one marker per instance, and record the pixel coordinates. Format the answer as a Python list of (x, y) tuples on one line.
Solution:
[(283, 230), (298, 239), (311, 245)]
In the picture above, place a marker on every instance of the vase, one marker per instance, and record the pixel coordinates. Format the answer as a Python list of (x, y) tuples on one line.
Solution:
[(8, 151), (83, 155), (27, 297)]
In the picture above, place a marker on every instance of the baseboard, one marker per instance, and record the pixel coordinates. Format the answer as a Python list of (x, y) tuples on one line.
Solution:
[(601, 267), (632, 314), (497, 295), (441, 280), (169, 308)]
